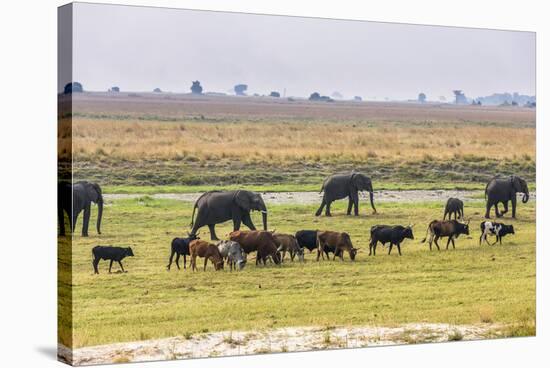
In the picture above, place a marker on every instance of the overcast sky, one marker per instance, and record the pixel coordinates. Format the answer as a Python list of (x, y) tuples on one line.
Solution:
[(141, 48)]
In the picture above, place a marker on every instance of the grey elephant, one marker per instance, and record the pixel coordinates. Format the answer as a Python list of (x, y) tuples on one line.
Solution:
[(340, 186), (83, 195), (216, 207), (504, 189), (454, 207)]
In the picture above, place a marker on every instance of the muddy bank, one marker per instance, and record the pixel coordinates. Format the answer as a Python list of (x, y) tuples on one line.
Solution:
[(315, 197), (289, 339)]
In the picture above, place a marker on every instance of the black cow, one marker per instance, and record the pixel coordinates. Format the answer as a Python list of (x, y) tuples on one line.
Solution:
[(180, 246), (389, 234), (308, 239), (110, 253), (495, 228)]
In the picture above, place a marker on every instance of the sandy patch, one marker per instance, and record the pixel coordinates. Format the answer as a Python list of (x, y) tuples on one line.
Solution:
[(290, 339)]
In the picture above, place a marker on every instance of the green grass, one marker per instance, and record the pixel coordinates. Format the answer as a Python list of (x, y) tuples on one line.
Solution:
[(454, 286)]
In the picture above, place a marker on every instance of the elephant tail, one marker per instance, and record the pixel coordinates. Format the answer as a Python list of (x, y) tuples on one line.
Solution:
[(323, 186)]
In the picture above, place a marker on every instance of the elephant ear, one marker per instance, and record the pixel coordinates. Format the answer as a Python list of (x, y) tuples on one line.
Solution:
[(516, 182), (243, 200), (94, 191), (354, 179)]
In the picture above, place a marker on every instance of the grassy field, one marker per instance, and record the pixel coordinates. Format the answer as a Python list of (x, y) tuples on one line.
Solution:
[(182, 140), (472, 284)]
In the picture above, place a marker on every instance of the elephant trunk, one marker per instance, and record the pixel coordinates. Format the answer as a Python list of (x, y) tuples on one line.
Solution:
[(525, 197), (371, 196), (99, 214)]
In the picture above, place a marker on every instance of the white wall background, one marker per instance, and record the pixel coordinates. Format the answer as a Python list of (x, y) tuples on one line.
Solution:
[(28, 153)]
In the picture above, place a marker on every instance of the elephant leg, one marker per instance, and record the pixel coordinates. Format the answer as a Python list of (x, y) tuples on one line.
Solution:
[(497, 214), (506, 207), (86, 220), (355, 199), (74, 220), (212, 228), (488, 209), (514, 203), (327, 211), (247, 221), (350, 205), (320, 210)]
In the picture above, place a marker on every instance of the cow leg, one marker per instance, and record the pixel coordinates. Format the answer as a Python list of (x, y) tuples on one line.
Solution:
[(448, 241), (95, 263), (500, 240), (212, 228), (193, 262), (110, 266), (399, 248), (178, 261), (205, 263), (453, 242), (170, 261), (391, 246), (120, 264), (435, 241), (184, 261)]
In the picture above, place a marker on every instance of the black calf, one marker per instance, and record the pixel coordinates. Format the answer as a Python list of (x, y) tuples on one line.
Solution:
[(112, 254)]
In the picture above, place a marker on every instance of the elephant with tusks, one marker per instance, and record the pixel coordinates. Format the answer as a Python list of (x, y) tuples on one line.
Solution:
[(502, 190), (217, 206), (75, 198)]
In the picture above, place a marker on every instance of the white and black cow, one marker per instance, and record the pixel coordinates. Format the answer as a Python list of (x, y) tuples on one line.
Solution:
[(495, 228)]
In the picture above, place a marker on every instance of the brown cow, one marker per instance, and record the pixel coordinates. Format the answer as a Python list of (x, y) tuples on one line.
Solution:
[(203, 249), (288, 243), (340, 242), (261, 242), (440, 229)]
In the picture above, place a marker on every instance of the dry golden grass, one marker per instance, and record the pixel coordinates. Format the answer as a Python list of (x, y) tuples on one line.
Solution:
[(295, 141)]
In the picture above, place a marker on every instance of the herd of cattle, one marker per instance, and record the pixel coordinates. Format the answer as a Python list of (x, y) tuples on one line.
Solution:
[(272, 246)]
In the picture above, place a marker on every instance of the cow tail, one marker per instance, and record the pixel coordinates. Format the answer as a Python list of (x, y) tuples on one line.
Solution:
[(426, 237)]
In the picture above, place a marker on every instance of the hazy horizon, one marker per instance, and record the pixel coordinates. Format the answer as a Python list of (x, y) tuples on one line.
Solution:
[(142, 48)]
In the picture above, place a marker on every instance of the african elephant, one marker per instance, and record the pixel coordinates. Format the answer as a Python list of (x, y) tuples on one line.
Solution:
[(502, 190), (454, 207), (339, 186), (216, 207), (83, 194)]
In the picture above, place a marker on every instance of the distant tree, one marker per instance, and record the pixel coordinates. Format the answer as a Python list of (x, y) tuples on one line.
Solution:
[(196, 88), (460, 98), (157, 90), (114, 89), (240, 89), (315, 96), (275, 94), (73, 87), (337, 95), (514, 103), (358, 98), (421, 97)]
